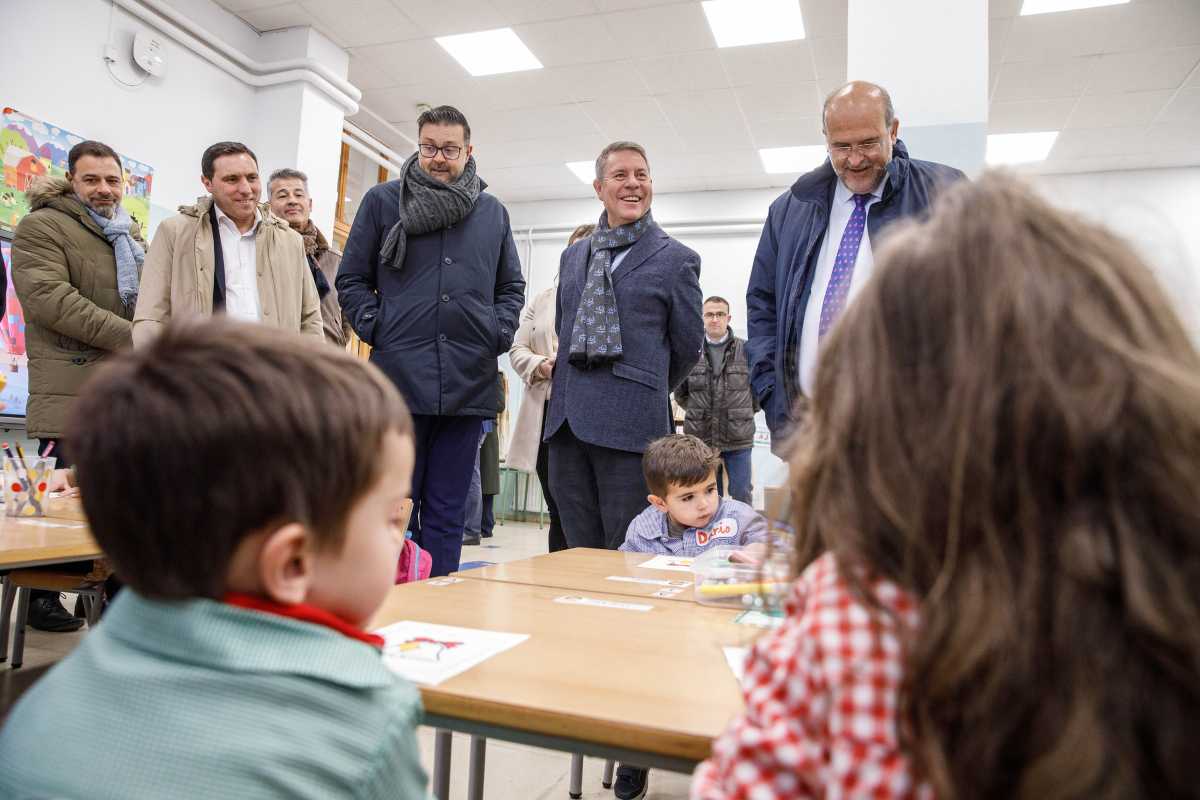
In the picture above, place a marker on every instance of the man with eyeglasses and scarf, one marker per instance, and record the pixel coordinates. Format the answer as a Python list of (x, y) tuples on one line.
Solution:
[(430, 279)]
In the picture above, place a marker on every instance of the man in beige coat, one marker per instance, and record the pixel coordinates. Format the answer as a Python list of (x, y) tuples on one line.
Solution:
[(76, 257), (227, 253), (532, 356)]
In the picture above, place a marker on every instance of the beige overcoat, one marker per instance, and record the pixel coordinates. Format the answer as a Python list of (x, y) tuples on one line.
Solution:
[(177, 278), (536, 340)]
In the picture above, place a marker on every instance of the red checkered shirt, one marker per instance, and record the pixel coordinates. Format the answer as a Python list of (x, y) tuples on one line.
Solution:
[(821, 692)]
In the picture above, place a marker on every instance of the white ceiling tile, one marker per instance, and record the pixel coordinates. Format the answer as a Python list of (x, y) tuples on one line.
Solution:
[(273, 18), (412, 62), (1043, 37), (532, 123), (395, 104), (354, 23), (1143, 71), (802, 98), (238, 6), (399, 104), (579, 40), (1024, 116), (365, 74), (698, 140), (449, 17), (998, 9), (519, 12), (830, 58), (621, 5), (824, 18), (998, 31), (786, 130), (622, 119), (1118, 110), (541, 87), (1040, 80), (1184, 108), (544, 175), (661, 29), (684, 72), (780, 62), (548, 150), (698, 113), (601, 81), (1085, 143), (1154, 24), (658, 141)]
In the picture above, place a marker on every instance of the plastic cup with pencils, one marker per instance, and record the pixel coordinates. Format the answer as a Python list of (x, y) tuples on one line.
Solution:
[(26, 482)]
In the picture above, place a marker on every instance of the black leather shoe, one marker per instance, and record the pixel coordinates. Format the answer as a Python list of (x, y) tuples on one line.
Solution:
[(469, 540), (631, 782), (48, 614)]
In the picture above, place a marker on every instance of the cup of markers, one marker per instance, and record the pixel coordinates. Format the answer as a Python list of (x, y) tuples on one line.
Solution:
[(26, 482)]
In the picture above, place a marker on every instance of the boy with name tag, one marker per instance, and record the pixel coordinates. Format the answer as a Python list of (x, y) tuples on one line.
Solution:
[(247, 483), (686, 516)]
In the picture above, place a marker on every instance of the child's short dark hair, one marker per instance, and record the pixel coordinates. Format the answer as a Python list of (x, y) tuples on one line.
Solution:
[(678, 460), (216, 430)]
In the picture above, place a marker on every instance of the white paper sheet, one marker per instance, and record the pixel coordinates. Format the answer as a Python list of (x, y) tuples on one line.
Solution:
[(672, 563), (736, 658), (429, 654), (649, 581), (596, 602)]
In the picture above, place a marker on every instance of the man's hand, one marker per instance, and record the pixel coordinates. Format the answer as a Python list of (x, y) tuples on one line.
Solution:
[(545, 369)]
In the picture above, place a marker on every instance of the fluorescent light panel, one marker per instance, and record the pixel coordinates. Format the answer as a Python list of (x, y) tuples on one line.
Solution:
[(792, 159), (739, 22), (1019, 148), (1030, 7), (490, 52), (584, 170)]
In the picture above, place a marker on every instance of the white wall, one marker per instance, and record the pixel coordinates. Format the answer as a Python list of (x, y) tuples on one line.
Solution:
[(1158, 210), (56, 73)]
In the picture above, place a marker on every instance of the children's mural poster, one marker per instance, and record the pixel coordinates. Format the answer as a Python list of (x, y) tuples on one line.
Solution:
[(31, 148), (14, 368)]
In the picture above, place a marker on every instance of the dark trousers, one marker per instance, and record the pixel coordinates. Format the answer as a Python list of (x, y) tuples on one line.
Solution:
[(487, 521), (557, 540), (446, 449), (599, 490)]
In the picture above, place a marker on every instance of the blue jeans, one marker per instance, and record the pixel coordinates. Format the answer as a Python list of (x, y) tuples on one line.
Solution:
[(737, 464)]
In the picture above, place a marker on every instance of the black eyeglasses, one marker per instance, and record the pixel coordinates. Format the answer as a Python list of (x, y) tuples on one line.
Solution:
[(450, 151)]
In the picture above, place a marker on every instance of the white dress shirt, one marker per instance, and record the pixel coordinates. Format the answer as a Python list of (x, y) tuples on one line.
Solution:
[(241, 267), (839, 218)]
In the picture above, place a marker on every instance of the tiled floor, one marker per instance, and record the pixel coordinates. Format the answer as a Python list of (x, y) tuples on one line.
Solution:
[(513, 772)]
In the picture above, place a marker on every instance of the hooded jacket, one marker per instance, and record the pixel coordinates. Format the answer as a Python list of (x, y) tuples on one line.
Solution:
[(65, 276), (177, 278), (782, 276)]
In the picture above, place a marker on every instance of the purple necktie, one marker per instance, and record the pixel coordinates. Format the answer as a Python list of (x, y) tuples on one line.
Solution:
[(843, 265)]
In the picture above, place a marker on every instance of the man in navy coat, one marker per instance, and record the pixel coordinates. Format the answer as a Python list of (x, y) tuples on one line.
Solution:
[(430, 279), (630, 330), (816, 247)]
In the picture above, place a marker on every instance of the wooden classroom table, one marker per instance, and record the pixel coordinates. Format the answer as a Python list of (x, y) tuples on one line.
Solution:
[(585, 569), (651, 688), (58, 538)]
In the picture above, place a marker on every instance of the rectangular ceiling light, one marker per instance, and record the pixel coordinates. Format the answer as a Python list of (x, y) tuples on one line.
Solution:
[(792, 159), (584, 170), (490, 52), (738, 22), (1019, 148), (1051, 6)]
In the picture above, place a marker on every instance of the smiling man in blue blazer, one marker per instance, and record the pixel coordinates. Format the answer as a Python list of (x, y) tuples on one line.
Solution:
[(630, 330)]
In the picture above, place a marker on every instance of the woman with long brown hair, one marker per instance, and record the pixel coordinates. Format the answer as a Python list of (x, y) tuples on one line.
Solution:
[(997, 505)]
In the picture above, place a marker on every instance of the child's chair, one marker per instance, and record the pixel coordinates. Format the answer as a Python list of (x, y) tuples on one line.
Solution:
[(16, 587)]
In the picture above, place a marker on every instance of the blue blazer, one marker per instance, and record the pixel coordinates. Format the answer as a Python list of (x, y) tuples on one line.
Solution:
[(624, 405)]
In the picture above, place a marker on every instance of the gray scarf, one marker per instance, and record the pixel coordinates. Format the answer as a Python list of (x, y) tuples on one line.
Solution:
[(128, 253), (427, 204), (596, 335)]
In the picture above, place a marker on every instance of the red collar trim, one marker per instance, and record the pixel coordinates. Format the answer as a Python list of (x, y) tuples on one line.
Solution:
[(304, 613)]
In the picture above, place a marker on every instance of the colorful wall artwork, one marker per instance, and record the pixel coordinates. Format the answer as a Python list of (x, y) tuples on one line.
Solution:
[(30, 148), (14, 366)]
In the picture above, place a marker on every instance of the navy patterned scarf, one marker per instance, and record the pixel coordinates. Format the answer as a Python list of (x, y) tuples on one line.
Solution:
[(596, 336)]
